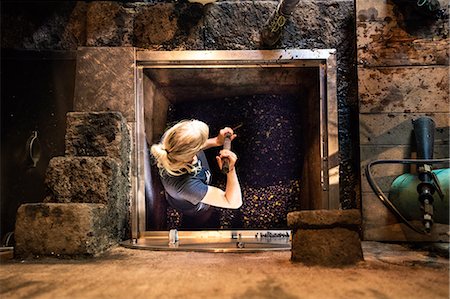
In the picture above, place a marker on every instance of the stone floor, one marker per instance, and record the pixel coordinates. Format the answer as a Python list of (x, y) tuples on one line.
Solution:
[(389, 271)]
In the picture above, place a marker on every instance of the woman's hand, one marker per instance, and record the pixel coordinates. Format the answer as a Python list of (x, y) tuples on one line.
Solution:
[(226, 154), (220, 139)]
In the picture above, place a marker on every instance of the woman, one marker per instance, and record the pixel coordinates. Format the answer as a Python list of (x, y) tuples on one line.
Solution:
[(185, 172)]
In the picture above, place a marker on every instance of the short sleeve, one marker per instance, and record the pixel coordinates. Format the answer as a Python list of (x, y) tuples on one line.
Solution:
[(193, 190), (185, 188)]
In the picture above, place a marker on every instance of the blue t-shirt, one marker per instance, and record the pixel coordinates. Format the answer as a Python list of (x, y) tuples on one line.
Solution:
[(186, 191)]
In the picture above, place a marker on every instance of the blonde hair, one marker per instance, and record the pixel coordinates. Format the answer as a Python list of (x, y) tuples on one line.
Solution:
[(179, 145)]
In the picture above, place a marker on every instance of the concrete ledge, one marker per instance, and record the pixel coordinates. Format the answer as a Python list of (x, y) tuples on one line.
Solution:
[(61, 229)]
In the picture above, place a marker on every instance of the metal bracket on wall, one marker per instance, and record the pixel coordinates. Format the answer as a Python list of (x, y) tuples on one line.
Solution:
[(33, 150)]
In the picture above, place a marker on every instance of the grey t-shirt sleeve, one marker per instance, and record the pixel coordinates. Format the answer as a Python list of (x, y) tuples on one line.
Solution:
[(187, 188)]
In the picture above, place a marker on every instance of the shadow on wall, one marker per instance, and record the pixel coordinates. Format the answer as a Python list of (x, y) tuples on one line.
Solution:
[(36, 95)]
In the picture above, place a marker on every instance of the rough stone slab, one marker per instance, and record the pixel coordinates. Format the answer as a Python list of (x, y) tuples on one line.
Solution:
[(61, 26), (84, 180), (225, 23), (105, 80), (61, 229), (98, 134), (326, 247), (322, 24), (324, 218), (108, 23), (168, 26), (237, 24), (74, 34)]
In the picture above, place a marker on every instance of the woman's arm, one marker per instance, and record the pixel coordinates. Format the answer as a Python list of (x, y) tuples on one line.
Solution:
[(219, 139), (232, 197)]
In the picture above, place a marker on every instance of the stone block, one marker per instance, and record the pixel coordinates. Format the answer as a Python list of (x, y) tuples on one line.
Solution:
[(324, 218), (169, 26), (237, 25), (331, 247), (83, 180), (96, 180), (98, 134), (108, 23), (326, 237), (61, 229)]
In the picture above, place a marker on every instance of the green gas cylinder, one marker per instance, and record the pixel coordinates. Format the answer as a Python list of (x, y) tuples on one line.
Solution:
[(403, 194)]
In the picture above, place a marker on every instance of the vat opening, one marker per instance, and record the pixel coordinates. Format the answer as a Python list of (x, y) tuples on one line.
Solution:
[(281, 145)]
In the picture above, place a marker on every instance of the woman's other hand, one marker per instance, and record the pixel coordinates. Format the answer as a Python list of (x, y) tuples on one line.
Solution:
[(226, 154), (220, 139)]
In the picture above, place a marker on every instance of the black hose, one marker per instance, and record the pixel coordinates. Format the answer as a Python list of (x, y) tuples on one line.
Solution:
[(384, 199)]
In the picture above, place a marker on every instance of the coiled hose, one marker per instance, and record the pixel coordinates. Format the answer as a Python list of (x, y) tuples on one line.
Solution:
[(384, 199)]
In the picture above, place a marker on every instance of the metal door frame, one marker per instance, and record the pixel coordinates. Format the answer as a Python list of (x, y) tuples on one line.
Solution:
[(324, 59)]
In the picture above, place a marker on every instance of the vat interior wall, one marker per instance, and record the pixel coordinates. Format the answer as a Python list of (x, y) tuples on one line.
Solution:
[(279, 134)]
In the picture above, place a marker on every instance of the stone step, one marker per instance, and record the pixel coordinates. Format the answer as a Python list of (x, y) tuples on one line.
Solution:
[(94, 180), (56, 229), (324, 218), (98, 134), (326, 237), (85, 180)]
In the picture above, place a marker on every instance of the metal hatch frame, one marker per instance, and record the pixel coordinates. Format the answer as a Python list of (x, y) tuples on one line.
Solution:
[(324, 59)]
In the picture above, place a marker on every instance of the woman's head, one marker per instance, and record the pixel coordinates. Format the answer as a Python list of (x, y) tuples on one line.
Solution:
[(179, 145)]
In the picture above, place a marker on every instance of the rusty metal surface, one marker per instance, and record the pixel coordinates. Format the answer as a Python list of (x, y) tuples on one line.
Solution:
[(299, 57), (402, 73), (105, 80), (221, 241), (386, 39), (404, 89), (396, 128)]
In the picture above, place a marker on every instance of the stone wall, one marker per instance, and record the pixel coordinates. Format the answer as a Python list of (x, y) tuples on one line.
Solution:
[(402, 75), (164, 25)]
